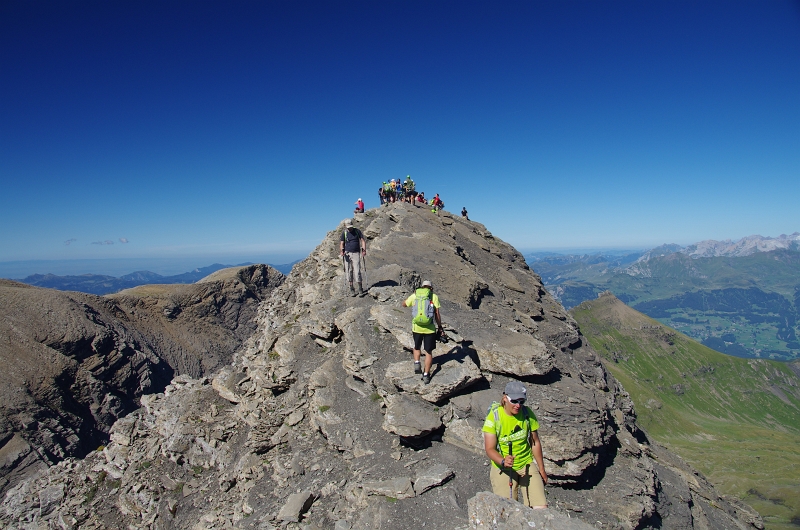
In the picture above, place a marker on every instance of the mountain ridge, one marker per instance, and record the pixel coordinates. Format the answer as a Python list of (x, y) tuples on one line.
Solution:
[(319, 421)]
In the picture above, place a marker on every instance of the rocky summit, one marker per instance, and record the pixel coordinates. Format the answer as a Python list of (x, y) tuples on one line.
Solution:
[(318, 420)]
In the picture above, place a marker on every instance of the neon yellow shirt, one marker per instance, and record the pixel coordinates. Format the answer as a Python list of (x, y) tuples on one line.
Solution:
[(424, 329), (520, 447)]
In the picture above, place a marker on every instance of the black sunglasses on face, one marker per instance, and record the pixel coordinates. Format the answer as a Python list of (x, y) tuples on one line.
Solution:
[(520, 401)]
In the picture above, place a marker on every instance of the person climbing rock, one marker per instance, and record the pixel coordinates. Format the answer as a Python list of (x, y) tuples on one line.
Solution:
[(359, 206), (464, 213), (511, 441), (425, 304), (353, 248)]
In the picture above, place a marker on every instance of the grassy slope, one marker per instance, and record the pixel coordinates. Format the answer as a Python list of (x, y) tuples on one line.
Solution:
[(736, 420)]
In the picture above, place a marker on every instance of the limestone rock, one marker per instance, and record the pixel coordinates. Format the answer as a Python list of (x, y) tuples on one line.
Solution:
[(296, 505), (396, 488), (487, 510), (410, 417), (450, 373), (430, 477)]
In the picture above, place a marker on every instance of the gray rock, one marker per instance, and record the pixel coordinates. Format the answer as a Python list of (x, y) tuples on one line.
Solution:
[(487, 510), (451, 373), (410, 417), (296, 505), (430, 477), (396, 488)]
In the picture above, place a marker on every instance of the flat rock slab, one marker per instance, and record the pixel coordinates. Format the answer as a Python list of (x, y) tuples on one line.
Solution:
[(515, 354), (396, 320), (296, 505), (431, 477), (450, 373), (410, 417), (487, 510), (398, 488)]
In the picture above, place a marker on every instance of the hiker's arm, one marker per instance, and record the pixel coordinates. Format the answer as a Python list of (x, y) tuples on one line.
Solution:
[(438, 318), (341, 247), (490, 446), (536, 447), (363, 246)]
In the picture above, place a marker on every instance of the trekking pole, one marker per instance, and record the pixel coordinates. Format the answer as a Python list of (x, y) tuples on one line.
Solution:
[(363, 268), (510, 482), (344, 275)]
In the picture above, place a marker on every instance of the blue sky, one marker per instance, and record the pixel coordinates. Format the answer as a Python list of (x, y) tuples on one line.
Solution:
[(244, 131)]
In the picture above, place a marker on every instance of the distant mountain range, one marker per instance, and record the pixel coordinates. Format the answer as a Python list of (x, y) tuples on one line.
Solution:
[(101, 284), (738, 297)]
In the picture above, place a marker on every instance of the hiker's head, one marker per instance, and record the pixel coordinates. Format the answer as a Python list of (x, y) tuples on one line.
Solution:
[(515, 394), (348, 224), (427, 284)]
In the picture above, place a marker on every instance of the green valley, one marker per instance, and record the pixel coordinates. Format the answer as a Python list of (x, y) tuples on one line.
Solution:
[(736, 420), (745, 306)]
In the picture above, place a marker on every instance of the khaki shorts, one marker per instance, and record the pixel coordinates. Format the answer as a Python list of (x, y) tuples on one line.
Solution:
[(525, 485)]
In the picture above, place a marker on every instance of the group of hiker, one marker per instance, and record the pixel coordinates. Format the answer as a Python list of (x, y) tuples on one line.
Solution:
[(510, 430), (397, 190)]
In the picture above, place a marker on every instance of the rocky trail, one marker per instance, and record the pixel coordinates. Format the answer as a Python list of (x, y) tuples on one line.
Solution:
[(318, 421)]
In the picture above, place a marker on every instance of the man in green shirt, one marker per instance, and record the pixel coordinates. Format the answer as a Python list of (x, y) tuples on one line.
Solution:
[(426, 308), (511, 441)]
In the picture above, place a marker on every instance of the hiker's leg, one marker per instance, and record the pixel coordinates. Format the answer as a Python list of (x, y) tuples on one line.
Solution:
[(499, 481), (417, 345), (428, 362), (348, 268), (532, 487), (430, 344), (355, 259)]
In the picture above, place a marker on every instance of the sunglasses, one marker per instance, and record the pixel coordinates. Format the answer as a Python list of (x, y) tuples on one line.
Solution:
[(520, 401)]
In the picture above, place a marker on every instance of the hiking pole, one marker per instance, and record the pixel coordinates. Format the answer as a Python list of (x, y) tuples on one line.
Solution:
[(510, 481), (344, 275), (363, 268)]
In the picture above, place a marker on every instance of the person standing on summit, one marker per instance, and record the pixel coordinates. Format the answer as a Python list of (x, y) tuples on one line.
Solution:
[(353, 249), (425, 306)]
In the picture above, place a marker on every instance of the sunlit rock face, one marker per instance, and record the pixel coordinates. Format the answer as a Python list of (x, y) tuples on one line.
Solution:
[(319, 420)]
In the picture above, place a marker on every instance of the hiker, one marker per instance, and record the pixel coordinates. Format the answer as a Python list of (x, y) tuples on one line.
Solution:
[(353, 248), (359, 206), (425, 308), (399, 191), (511, 441), (411, 192), (464, 213), (380, 195)]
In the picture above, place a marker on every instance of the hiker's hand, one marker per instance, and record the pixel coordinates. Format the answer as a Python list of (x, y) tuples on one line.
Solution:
[(543, 473), (508, 461)]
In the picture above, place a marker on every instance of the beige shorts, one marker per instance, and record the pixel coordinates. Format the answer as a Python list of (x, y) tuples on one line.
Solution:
[(526, 483)]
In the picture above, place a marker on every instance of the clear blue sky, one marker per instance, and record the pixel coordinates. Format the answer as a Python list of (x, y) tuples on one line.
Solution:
[(240, 130)]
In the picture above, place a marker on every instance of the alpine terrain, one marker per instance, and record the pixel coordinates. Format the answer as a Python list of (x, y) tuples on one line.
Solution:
[(736, 420), (738, 297), (318, 420)]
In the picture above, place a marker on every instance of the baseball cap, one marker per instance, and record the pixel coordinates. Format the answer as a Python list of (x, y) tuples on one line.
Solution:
[(427, 283), (516, 390)]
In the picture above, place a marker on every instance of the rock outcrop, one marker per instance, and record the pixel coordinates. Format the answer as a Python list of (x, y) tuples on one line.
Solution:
[(320, 423), (74, 363)]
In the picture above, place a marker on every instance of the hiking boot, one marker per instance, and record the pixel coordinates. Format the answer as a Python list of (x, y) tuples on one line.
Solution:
[(352, 291), (417, 368), (426, 378), (361, 290)]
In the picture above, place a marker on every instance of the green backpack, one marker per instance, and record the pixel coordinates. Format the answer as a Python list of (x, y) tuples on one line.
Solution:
[(423, 309)]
